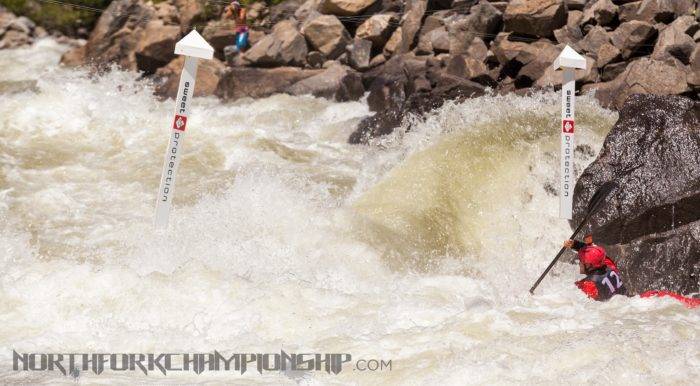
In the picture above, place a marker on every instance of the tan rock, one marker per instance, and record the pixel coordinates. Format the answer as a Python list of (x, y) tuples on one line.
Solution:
[(117, 33), (553, 78), (13, 39), (209, 74), (242, 82), (573, 19), (483, 20), (631, 36), (694, 76), (628, 11), (359, 52), (393, 43), (663, 11), (284, 46), (190, 11), (607, 53), (643, 76), (156, 48), (674, 42), (594, 39), (377, 29), (599, 12), (74, 57), (411, 23), (535, 17), (326, 34), (219, 34), (337, 82), (344, 7)]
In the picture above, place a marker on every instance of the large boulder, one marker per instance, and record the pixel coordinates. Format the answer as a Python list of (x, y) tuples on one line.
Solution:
[(326, 34), (345, 7), (651, 223), (250, 82), (156, 48), (116, 35), (284, 47), (632, 36), (411, 23), (377, 29), (337, 82), (642, 76), (535, 17), (209, 73)]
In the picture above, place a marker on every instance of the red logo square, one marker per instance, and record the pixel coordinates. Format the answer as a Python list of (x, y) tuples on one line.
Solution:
[(180, 123), (567, 126)]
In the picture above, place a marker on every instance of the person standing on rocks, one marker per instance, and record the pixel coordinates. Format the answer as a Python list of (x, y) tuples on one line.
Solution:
[(238, 14), (602, 279)]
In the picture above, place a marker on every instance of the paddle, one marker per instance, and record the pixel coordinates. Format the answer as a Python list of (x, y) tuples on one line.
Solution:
[(598, 198)]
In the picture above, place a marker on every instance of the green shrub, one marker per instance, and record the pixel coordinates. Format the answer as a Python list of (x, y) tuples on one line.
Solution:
[(53, 16)]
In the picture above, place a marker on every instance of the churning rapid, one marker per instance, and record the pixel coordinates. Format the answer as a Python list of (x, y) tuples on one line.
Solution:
[(418, 249)]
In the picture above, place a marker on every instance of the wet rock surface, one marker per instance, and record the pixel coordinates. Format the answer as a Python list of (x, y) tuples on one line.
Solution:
[(651, 223)]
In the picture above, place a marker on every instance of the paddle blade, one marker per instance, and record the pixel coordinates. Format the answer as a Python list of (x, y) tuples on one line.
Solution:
[(600, 195)]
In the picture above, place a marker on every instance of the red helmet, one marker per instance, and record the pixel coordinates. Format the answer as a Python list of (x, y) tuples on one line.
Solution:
[(592, 255)]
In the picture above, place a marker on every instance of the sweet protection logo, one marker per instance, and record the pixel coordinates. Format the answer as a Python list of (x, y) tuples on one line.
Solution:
[(180, 123), (567, 126)]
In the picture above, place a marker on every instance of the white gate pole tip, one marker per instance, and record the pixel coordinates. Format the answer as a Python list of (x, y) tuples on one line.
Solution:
[(569, 58), (194, 45)]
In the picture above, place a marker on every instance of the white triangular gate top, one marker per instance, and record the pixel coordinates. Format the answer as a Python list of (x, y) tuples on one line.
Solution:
[(194, 45)]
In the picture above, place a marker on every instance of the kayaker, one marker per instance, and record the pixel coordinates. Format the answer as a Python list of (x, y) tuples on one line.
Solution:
[(603, 279)]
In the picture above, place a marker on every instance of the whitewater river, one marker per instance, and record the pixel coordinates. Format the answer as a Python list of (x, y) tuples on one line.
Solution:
[(419, 249)]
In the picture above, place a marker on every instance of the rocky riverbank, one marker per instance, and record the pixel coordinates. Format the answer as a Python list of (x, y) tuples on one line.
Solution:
[(409, 55)]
